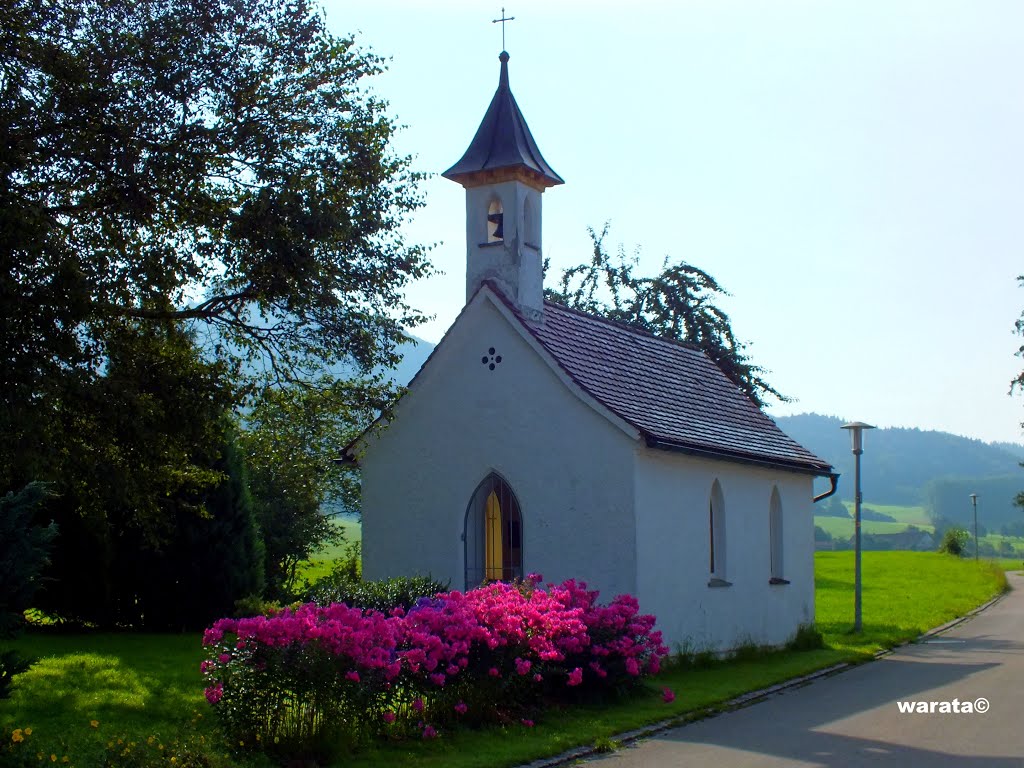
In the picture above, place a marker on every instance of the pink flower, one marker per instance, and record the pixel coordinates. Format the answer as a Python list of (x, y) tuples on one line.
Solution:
[(353, 676), (214, 693), (224, 658), (417, 704), (429, 732), (493, 672), (522, 667), (212, 635), (667, 695), (389, 717), (461, 708), (527, 723), (537, 678), (575, 677), (437, 679)]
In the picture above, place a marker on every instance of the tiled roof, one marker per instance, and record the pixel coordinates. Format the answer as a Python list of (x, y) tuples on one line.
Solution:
[(503, 141), (672, 393)]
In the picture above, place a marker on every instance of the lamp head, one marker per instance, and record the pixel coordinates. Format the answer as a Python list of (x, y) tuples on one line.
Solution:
[(857, 433)]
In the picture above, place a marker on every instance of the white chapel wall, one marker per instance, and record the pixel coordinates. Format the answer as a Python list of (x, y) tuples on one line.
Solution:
[(570, 468), (673, 563)]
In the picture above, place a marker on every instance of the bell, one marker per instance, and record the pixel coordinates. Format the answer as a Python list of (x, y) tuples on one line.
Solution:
[(496, 220)]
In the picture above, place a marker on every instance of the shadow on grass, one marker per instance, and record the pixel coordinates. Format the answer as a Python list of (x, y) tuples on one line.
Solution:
[(101, 686)]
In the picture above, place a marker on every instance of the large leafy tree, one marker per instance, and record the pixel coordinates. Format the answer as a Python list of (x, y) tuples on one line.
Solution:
[(212, 162), (678, 303), (198, 203)]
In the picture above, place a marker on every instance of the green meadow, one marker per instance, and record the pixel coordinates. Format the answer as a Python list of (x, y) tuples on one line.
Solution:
[(842, 528), (95, 695), (323, 561)]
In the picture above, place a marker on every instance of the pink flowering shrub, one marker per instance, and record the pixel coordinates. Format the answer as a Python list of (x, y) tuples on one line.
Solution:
[(318, 674)]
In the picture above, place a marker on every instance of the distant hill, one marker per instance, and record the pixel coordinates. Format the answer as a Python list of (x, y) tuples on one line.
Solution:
[(413, 357), (919, 467)]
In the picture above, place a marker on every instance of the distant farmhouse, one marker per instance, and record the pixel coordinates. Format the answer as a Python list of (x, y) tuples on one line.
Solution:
[(536, 438)]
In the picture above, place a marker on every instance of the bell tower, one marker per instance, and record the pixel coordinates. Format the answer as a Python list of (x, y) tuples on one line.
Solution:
[(504, 175)]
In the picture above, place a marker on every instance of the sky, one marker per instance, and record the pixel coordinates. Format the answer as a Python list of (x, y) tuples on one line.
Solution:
[(851, 171)]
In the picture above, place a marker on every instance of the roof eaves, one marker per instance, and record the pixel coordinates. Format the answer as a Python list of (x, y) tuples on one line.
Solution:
[(806, 468)]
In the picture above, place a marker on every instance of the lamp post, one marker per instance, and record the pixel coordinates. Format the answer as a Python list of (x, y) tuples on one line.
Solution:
[(857, 432), (974, 503)]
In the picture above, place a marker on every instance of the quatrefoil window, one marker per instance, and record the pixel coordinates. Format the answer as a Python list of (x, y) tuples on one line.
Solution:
[(490, 359)]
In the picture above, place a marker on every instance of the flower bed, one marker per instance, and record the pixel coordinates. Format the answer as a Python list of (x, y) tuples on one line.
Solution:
[(319, 678)]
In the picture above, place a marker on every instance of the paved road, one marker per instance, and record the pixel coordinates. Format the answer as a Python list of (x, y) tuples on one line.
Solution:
[(852, 719)]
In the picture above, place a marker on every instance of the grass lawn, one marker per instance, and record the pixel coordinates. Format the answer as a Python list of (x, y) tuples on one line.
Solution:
[(1008, 563), (904, 594), (132, 685), (137, 686)]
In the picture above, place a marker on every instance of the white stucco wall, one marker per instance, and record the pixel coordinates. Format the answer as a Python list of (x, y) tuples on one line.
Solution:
[(570, 468), (673, 493)]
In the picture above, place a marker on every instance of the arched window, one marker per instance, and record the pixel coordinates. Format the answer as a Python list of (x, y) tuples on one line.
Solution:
[(495, 222), (775, 538), (493, 534), (716, 536)]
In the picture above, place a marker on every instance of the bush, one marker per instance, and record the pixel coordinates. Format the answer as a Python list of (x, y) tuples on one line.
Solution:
[(954, 541), (255, 605), (400, 592), (312, 680)]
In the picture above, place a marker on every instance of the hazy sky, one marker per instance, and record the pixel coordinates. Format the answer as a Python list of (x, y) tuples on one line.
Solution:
[(852, 172)]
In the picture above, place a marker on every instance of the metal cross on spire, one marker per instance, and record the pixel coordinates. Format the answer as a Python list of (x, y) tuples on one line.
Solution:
[(502, 21)]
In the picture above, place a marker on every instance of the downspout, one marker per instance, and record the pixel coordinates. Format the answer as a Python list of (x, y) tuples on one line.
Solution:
[(834, 479)]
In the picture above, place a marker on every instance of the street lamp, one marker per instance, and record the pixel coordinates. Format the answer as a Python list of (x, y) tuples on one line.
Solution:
[(857, 432), (974, 502)]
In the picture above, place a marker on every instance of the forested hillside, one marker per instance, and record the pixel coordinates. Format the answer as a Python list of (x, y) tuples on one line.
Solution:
[(918, 467)]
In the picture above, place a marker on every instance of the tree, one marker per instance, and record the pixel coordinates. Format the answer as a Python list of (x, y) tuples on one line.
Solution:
[(24, 553), (676, 304), (198, 203), (1019, 380), (291, 440), (214, 559), (216, 163)]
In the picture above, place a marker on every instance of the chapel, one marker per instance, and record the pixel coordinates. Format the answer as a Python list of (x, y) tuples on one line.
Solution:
[(537, 438)]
